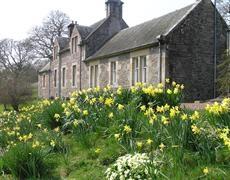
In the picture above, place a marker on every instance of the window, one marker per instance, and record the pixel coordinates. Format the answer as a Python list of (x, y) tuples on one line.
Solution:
[(44, 80), (55, 78), (74, 43), (63, 77), (93, 76), (113, 78), (74, 75), (139, 70), (143, 69), (55, 52), (96, 76)]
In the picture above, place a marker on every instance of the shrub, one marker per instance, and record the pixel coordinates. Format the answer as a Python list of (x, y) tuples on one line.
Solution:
[(137, 166), (51, 115), (23, 161)]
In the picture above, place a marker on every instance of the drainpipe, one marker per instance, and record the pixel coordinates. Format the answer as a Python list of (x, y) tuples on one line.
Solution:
[(59, 75), (161, 41), (49, 79), (81, 46), (215, 50)]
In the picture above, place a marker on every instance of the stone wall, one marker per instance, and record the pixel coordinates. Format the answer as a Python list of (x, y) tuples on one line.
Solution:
[(190, 51), (124, 67), (43, 92)]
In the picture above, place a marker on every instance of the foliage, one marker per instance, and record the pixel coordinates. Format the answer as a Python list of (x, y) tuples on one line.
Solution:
[(23, 161), (42, 37), (89, 132), (51, 115), (224, 77), (16, 59), (130, 167)]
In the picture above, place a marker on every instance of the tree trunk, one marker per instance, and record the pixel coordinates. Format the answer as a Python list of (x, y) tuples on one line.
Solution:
[(5, 107), (15, 107)]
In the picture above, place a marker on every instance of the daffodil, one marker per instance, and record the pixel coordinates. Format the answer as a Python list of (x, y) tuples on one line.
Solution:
[(195, 129), (184, 117), (195, 116), (139, 144), (165, 120), (85, 112), (127, 129), (117, 136), (75, 122), (111, 115), (52, 143), (205, 171), (161, 146), (97, 151), (149, 141), (143, 108), (35, 144), (109, 101), (169, 91), (120, 107)]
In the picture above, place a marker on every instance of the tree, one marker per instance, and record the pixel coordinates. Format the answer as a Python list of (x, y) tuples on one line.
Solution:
[(16, 60), (224, 9), (224, 76), (42, 37)]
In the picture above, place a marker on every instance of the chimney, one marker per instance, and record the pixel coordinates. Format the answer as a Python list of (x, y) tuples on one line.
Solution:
[(70, 27), (114, 8)]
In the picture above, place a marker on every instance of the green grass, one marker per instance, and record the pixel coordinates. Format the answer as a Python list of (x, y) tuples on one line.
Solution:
[(1, 108), (83, 162), (83, 145)]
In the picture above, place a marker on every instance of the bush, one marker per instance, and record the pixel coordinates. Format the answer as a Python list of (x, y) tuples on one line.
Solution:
[(23, 161), (51, 115), (137, 166)]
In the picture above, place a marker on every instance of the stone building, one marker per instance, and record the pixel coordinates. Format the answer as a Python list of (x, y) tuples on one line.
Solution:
[(178, 45)]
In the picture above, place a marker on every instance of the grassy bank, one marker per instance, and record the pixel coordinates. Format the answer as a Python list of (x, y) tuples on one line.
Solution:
[(139, 133)]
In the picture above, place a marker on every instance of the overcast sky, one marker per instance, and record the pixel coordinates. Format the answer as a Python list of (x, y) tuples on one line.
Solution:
[(17, 17)]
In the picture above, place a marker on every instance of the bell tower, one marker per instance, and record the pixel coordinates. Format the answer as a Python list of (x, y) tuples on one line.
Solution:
[(114, 8)]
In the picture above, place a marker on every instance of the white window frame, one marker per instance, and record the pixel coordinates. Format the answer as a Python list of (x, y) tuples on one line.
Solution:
[(113, 73), (93, 76), (144, 68), (139, 69)]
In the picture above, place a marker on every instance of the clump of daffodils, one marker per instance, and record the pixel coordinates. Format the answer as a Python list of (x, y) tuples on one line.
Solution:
[(130, 167), (219, 108)]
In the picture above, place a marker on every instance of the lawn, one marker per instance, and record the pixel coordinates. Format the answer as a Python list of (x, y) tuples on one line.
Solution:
[(1, 108), (139, 133)]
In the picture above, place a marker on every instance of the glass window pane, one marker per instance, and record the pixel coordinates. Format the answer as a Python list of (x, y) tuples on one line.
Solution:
[(96, 76), (74, 76), (63, 77)]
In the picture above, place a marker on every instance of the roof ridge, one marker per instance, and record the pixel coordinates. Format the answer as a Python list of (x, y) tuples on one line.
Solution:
[(100, 24), (161, 25), (188, 12), (194, 5)]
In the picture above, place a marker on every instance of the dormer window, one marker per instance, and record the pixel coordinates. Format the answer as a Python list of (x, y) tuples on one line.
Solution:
[(74, 43), (55, 52)]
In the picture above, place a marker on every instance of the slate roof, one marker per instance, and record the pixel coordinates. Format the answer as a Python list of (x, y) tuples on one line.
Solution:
[(143, 34), (84, 31), (63, 42), (45, 68)]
